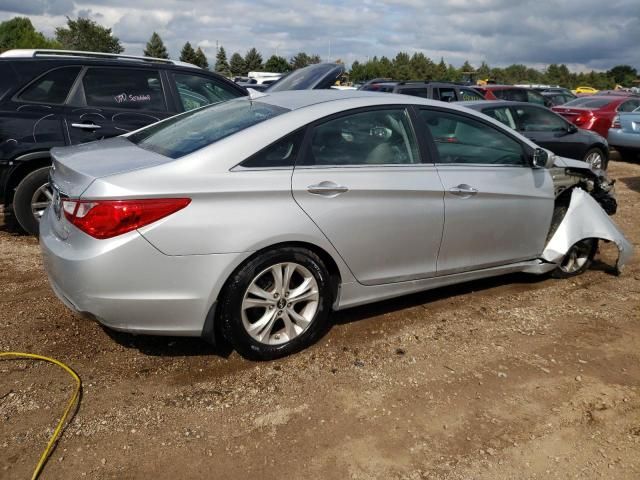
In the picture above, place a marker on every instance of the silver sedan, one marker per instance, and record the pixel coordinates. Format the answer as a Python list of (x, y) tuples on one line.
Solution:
[(252, 220)]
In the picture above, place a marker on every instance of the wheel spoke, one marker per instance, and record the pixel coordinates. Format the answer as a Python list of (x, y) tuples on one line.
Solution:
[(47, 193), (262, 327), (299, 319), (256, 291), (303, 291), (38, 205), (288, 272), (257, 302), (291, 330), (276, 271)]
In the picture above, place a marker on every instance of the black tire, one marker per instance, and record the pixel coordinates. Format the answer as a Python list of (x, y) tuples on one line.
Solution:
[(603, 156), (230, 306), (588, 246), (23, 196), (628, 155)]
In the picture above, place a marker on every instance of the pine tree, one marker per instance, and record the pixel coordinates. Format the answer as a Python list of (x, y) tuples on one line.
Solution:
[(222, 65), (253, 61), (276, 64), (155, 47), (85, 34), (188, 54), (237, 65), (201, 59), (300, 60)]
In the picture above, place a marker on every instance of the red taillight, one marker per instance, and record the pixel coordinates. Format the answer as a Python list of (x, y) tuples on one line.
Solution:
[(583, 118), (616, 122), (109, 218)]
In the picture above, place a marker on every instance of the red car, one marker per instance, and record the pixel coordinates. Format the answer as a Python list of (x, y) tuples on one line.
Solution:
[(596, 112)]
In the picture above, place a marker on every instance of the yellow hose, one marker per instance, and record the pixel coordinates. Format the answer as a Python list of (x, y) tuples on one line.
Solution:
[(67, 411)]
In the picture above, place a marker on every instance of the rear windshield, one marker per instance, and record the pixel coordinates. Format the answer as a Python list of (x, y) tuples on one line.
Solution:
[(588, 102), (305, 78), (197, 129)]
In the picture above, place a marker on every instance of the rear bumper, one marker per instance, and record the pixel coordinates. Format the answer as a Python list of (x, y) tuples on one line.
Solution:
[(620, 138), (128, 285)]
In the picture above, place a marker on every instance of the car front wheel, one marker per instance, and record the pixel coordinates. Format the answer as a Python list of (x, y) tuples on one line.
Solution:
[(276, 304), (596, 159), (578, 259), (31, 198)]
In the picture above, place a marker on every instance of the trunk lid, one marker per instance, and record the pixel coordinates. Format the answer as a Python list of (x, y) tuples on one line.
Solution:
[(75, 168)]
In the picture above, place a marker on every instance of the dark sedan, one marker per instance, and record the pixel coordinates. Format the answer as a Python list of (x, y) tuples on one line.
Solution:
[(549, 130)]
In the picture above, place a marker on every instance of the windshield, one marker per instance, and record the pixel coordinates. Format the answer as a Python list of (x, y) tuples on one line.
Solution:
[(196, 129), (307, 78), (588, 102)]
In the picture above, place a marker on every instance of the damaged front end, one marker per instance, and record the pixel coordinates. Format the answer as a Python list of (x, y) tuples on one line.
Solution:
[(568, 174), (585, 219)]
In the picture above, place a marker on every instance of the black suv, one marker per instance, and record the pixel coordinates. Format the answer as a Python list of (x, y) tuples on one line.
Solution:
[(51, 98), (443, 91)]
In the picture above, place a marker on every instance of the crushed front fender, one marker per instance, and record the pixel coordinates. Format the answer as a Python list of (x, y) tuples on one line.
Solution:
[(586, 219)]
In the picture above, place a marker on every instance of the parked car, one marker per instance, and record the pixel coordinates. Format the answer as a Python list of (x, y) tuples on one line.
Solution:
[(624, 134), (556, 97), (596, 112), (318, 76), (251, 220), (549, 130), (443, 91), (585, 90), (512, 94), (51, 98)]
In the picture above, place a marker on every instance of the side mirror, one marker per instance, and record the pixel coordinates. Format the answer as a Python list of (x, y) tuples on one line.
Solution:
[(541, 159), (572, 128)]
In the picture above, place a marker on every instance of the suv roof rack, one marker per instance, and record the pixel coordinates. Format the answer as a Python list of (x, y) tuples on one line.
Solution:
[(33, 53)]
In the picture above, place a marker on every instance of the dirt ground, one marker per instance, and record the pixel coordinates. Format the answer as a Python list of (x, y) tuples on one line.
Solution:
[(518, 377)]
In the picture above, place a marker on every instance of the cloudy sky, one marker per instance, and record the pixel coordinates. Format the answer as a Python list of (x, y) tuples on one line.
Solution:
[(585, 34)]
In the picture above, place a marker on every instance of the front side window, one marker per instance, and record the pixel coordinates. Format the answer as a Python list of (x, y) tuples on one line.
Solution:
[(377, 137), (463, 140), (196, 91), (531, 119), (186, 133), (52, 87), (535, 97), (124, 88), (502, 114)]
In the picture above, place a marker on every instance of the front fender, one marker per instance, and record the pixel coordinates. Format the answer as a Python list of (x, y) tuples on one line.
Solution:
[(586, 219)]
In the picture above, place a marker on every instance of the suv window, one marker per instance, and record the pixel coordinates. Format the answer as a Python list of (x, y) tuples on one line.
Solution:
[(416, 92), (461, 139), (279, 154), (124, 88), (629, 106), (52, 87), (375, 137), (466, 94), (532, 119), (186, 133), (196, 91), (535, 97), (445, 94), (502, 114)]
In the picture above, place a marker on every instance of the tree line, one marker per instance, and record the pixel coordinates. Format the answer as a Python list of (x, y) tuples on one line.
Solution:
[(85, 34)]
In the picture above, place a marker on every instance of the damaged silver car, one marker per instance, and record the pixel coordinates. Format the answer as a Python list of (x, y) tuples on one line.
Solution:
[(251, 221)]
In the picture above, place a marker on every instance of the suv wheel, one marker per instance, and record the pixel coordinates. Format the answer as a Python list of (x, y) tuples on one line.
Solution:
[(32, 197), (276, 304)]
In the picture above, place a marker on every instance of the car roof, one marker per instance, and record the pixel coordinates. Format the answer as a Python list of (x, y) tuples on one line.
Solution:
[(476, 104), (297, 99)]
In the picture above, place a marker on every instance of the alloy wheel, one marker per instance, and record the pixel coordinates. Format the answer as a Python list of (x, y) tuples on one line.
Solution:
[(40, 200), (594, 159), (280, 303), (577, 257)]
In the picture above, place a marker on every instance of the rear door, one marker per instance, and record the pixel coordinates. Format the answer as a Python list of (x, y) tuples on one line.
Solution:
[(110, 101), (362, 180), (497, 208)]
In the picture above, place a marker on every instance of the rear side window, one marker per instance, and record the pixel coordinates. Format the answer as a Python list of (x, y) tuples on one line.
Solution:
[(8, 79), (377, 137), (279, 154), (184, 134), (445, 95), (52, 87), (535, 97), (416, 92), (196, 91), (466, 94), (511, 94), (629, 106), (124, 88), (502, 114)]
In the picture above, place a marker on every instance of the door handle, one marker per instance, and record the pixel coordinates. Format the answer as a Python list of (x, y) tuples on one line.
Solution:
[(463, 190), (327, 189), (86, 126)]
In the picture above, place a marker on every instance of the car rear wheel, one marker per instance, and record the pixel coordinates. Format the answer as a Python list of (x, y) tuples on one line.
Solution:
[(31, 198), (276, 304), (596, 158)]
